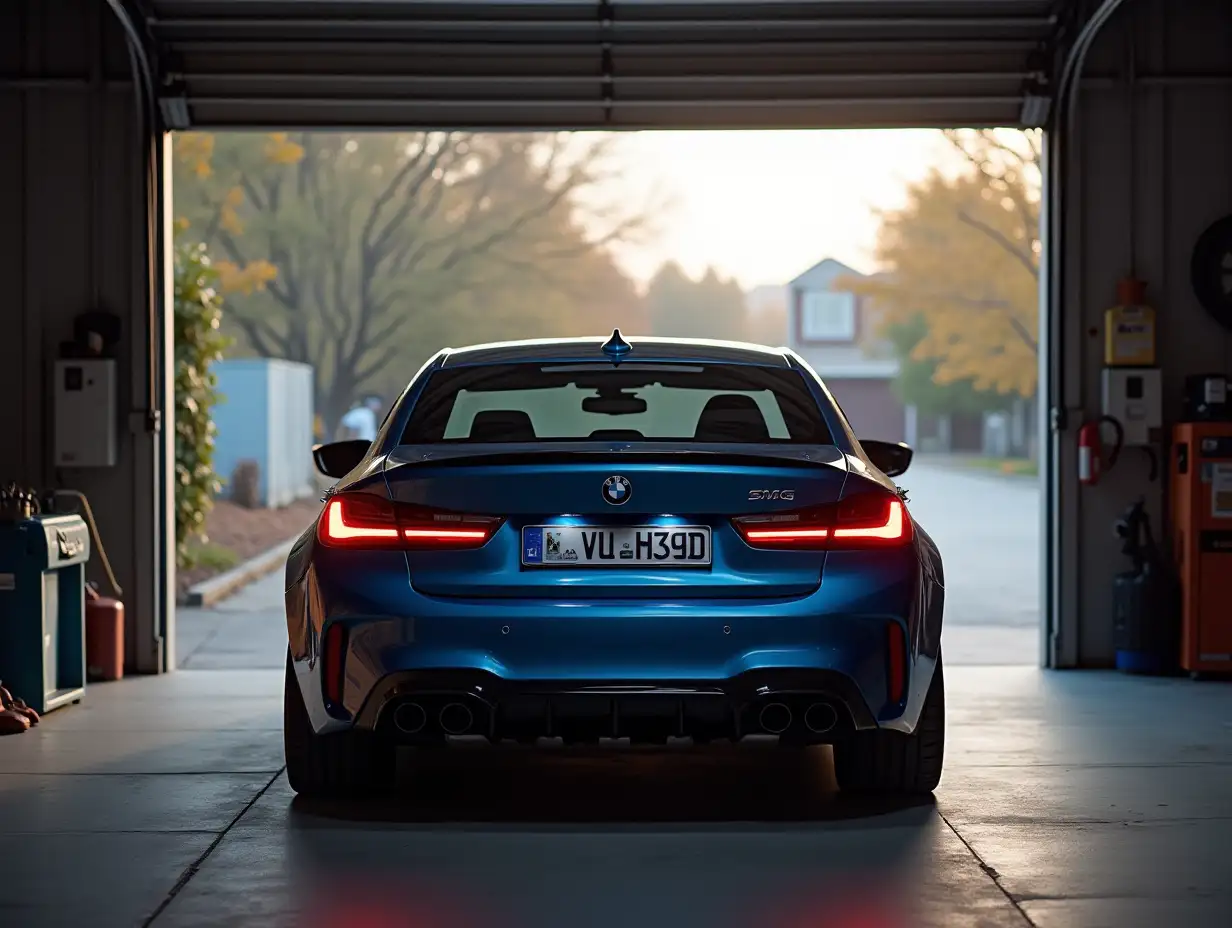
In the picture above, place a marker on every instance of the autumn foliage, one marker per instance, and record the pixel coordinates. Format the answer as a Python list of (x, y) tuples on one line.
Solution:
[(963, 254)]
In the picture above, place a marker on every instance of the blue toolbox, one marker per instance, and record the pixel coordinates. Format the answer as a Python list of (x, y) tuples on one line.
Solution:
[(42, 607)]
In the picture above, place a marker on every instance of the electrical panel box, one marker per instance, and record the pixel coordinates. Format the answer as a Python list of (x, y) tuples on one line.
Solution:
[(1131, 395), (86, 413)]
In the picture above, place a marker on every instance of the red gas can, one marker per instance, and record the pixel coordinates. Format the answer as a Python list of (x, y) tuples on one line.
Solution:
[(104, 638)]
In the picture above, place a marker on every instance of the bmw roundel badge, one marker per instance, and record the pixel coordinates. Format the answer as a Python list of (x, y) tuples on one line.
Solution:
[(617, 490)]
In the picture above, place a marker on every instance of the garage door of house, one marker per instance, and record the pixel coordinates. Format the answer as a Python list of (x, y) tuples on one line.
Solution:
[(871, 407)]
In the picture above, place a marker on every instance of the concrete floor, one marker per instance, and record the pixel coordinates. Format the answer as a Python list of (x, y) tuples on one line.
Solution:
[(1069, 799)]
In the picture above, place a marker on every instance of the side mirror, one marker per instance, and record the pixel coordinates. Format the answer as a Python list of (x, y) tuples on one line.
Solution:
[(339, 458), (890, 457)]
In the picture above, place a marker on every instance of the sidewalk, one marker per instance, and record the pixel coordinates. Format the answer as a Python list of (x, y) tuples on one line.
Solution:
[(1014, 468), (247, 631)]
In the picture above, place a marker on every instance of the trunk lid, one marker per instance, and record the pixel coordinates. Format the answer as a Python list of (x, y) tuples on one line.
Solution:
[(562, 486)]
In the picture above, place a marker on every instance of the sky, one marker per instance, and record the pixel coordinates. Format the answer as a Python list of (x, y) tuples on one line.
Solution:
[(764, 206)]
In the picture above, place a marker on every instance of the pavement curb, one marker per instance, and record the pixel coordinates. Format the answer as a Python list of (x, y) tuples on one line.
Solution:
[(214, 590)]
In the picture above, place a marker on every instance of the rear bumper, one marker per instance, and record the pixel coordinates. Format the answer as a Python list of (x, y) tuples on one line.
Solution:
[(702, 668), (700, 677), (427, 707)]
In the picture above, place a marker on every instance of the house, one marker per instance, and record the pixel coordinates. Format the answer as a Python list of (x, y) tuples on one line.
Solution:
[(835, 331)]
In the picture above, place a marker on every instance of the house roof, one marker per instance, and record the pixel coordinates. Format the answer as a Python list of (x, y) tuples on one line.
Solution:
[(824, 271)]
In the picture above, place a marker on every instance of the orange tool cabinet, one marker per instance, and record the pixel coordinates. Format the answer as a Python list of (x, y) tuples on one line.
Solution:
[(1202, 542)]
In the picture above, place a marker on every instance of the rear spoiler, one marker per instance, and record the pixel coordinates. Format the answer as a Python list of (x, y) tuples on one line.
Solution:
[(488, 455)]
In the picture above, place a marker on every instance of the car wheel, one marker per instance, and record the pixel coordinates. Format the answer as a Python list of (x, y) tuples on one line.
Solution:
[(893, 762), (347, 763)]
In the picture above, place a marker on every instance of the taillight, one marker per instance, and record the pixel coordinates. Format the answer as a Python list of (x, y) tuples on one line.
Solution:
[(360, 520), (866, 520)]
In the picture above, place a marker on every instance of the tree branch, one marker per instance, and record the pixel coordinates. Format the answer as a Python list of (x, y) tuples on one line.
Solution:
[(1025, 258), (257, 333)]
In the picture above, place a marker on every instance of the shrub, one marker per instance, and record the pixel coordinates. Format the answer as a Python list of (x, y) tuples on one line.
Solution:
[(198, 344)]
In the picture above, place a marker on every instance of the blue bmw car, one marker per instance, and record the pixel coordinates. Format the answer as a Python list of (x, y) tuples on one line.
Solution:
[(640, 539)]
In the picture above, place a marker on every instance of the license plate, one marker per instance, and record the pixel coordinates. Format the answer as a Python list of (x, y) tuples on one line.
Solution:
[(626, 546)]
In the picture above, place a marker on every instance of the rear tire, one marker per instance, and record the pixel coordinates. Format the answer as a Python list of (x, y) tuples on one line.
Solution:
[(891, 762), (340, 764)]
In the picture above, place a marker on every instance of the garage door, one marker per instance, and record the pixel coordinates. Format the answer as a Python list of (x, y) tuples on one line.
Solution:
[(621, 64)]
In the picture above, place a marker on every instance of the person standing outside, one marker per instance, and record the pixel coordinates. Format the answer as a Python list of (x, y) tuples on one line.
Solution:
[(362, 420)]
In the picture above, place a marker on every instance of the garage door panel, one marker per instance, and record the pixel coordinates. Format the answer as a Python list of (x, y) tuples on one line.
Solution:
[(626, 64), (279, 113)]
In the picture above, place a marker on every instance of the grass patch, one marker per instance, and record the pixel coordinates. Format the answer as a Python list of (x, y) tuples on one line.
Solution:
[(1015, 467), (211, 556)]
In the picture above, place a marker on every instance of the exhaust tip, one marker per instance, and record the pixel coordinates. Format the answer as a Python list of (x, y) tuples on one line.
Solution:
[(410, 718), (775, 718), (456, 719), (820, 718)]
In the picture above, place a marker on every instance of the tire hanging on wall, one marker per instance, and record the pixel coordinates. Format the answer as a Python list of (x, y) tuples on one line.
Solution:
[(1210, 271)]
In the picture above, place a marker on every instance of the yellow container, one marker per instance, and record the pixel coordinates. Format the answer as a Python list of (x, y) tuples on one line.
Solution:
[(1129, 329)]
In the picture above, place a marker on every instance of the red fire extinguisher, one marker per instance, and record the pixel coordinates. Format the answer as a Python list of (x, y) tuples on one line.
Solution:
[(1091, 463)]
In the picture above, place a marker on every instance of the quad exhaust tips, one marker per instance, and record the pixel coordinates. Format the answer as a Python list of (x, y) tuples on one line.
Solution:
[(454, 718), (775, 718), (410, 718), (820, 718)]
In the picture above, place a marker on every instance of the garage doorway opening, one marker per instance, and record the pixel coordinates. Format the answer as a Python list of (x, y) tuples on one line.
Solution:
[(902, 264)]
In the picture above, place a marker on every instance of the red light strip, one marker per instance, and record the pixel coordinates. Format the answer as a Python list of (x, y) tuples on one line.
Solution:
[(440, 534), (893, 527), (786, 534)]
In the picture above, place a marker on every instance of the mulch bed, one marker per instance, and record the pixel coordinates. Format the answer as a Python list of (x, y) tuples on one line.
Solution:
[(248, 532)]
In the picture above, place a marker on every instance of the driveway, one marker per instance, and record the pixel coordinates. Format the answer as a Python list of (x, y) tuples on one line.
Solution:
[(987, 526)]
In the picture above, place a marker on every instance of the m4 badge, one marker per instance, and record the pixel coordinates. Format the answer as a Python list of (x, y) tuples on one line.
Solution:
[(755, 495)]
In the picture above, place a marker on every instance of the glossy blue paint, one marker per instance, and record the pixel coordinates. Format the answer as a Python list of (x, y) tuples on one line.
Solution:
[(751, 610)]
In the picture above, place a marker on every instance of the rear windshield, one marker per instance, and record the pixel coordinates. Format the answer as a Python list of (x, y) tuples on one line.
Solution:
[(602, 402)]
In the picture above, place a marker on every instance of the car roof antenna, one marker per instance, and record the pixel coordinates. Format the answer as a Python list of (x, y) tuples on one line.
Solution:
[(616, 347)]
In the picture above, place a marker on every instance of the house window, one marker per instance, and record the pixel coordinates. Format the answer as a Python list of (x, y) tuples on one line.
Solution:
[(828, 316)]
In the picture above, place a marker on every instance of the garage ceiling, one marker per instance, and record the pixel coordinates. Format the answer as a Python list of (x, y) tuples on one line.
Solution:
[(625, 64)]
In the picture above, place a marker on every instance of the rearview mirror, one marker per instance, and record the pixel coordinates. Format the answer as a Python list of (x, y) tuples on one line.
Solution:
[(890, 457), (339, 458), (614, 404)]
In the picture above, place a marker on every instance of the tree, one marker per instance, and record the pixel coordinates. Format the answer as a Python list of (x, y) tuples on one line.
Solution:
[(361, 255), (963, 254), (709, 307), (916, 383)]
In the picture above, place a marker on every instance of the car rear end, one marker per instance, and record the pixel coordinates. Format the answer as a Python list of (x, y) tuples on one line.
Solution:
[(581, 549)]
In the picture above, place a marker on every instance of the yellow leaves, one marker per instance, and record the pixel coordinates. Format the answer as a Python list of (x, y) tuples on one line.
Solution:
[(228, 211), (194, 150), (964, 253), (281, 150), (246, 279), (180, 224)]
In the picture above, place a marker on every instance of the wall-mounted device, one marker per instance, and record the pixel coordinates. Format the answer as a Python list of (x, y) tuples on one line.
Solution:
[(1132, 396), (1206, 398), (86, 412)]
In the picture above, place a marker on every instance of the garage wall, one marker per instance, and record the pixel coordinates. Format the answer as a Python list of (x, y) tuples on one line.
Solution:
[(1144, 211), (71, 240)]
